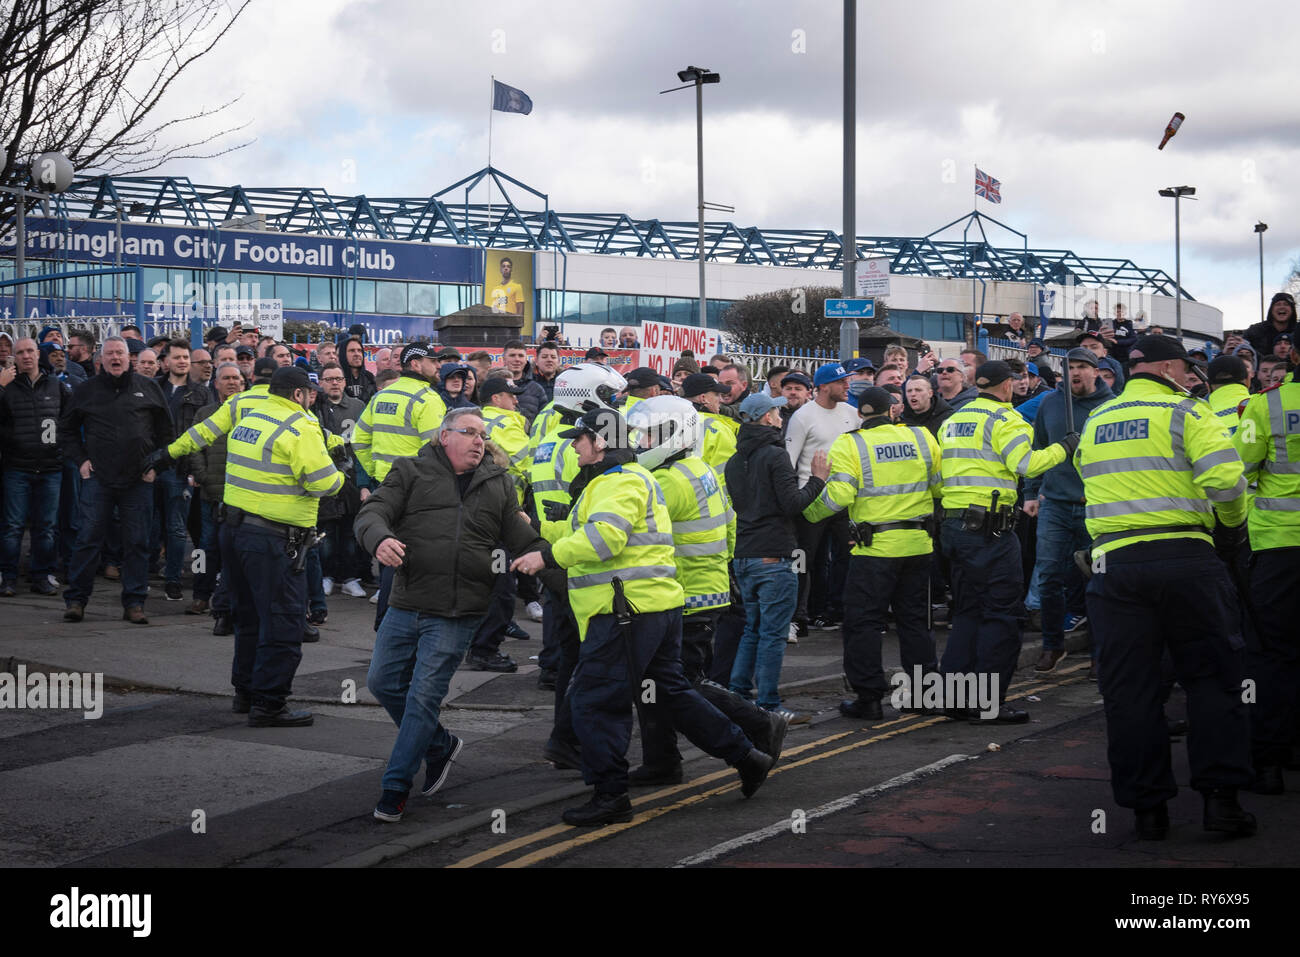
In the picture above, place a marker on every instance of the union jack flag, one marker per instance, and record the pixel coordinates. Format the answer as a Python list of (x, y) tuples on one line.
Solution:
[(987, 187)]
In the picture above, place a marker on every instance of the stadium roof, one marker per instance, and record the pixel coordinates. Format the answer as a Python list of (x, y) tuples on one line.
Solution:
[(520, 217)]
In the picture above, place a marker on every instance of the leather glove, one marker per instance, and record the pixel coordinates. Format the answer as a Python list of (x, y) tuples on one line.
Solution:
[(1229, 540), (339, 453), (557, 511), (158, 460), (1070, 443)]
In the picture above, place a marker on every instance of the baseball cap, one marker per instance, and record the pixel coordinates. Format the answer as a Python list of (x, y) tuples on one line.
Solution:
[(443, 354), (1081, 355), (596, 352), (830, 372), (1157, 349), (993, 372), (1090, 335), (1036, 342), (857, 365), (1031, 368), (797, 377), (416, 350), (874, 401), (245, 351), (497, 384), (642, 378), (698, 383), (50, 347), (134, 346), (603, 422), (759, 404), (265, 367), (449, 369), (1225, 369), (217, 334), (290, 377)]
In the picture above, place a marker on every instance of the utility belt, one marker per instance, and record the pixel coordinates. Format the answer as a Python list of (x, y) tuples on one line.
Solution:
[(298, 541), (861, 533), (1083, 557), (981, 519)]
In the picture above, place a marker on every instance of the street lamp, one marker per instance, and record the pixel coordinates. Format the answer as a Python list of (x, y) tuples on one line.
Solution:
[(697, 76), (50, 173), (1259, 228), (1176, 193)]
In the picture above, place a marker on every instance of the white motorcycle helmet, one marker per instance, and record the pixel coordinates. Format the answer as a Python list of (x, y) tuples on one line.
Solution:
[(587, 386), (666, 425)]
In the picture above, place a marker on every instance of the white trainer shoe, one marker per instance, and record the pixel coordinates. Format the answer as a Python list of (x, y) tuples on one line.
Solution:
[(534, 609), (352, 588), (327, 585), (794, 634)]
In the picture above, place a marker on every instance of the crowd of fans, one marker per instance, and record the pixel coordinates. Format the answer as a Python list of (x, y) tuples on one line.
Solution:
[(71, 468)]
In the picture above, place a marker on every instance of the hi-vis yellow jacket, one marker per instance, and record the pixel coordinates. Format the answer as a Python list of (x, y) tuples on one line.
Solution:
[(1153, 459), (509, 430), (202, 434), (396, 424), (619, 528), (1269, 443), (704, 531), (986, 447), (276, 464), (888, 473)]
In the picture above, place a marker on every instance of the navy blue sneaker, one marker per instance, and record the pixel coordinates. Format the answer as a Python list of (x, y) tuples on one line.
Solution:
[(391, 806), (435, 774), (1075, 622)]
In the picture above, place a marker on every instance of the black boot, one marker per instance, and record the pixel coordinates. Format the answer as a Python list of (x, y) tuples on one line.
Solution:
[(1268, 780), (645, 776), (1223, 813), (753, 769), (862, 708), (1153, 823), (223, 626), (601, 809)]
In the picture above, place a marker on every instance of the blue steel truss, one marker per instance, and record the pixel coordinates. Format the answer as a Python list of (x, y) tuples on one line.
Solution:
[(449, 216)]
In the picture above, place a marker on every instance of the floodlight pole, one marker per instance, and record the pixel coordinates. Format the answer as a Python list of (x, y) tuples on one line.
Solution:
[(849, 327)]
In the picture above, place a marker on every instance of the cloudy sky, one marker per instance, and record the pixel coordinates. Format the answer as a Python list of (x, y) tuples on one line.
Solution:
[(1063, 102)]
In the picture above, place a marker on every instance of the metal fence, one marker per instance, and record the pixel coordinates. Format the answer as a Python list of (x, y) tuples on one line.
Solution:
[(101, 327), (1005, 349)]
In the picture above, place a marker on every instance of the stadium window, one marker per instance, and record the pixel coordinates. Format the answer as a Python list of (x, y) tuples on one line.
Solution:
[(390, 298), (680, 311), (622, 310), (320, 293), (595, 307), (424, 298), (256, 285), (365, 295), (649, 309)]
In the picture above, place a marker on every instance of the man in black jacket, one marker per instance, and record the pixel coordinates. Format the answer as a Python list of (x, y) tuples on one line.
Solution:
[(765, 492), (32, 404), (184, 400), (437, 519), (115, 421)]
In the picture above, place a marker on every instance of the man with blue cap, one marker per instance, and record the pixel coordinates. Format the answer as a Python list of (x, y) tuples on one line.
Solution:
[(812, 430)]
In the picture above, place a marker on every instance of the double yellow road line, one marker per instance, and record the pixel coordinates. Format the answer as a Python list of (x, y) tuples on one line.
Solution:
[(897, 726)]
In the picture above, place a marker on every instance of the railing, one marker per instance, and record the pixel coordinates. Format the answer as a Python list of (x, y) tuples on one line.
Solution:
[(1005, 349)]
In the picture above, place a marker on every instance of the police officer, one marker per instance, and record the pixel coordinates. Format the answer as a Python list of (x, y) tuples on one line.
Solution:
[(888, 477), (553, 467), (505, 425), (1228, 391), (986, 449), (1156, 467), (202, 434), (719, 442), (1268, 440), (277, 468), (397, 422), (619, 557), (704, 538)]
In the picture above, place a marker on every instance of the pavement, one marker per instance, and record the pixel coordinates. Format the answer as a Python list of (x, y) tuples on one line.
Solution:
[(169, 776)]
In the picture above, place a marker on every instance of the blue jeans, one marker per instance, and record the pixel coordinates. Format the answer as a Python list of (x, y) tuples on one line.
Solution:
[(1061, 533), (205, 583), (176, 508), (415, 656), (770, 591), (30, 497), (134, 505)]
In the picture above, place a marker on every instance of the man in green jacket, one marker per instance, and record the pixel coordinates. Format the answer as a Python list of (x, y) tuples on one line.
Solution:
[(438, 520)]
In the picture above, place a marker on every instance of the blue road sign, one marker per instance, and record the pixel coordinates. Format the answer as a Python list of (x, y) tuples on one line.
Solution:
[(850, 308)]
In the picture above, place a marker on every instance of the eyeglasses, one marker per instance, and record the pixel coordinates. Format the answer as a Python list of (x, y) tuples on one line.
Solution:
[(951, 369), (474, 432)]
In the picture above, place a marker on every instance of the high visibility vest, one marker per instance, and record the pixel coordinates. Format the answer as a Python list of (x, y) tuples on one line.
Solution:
[(1152, 458), (509, 430), (553, 467), (1224, 401), (704, 532), (1268, 440), (888, 473), (986, 447), (543, 424), (619, 528), (396, 424), (276, 464), (202, 434), (719, 441)]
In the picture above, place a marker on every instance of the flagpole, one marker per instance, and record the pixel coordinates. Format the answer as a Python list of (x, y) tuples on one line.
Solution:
[(492, 99)]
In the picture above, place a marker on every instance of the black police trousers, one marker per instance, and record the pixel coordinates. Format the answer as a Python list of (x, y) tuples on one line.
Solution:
[(658, 738), (646, 661), (1275, 607), (874, 584), (987, 602), (1172, 594)]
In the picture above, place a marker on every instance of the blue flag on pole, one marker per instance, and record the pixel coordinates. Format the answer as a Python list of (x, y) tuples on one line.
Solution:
[(1046, 297), (509, 100)]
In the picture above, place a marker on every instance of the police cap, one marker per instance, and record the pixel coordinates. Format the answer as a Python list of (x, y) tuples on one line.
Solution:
[(265, 367), (289, 378), (992, 373), (874, 401), (1226, 369), (1157, 349)]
